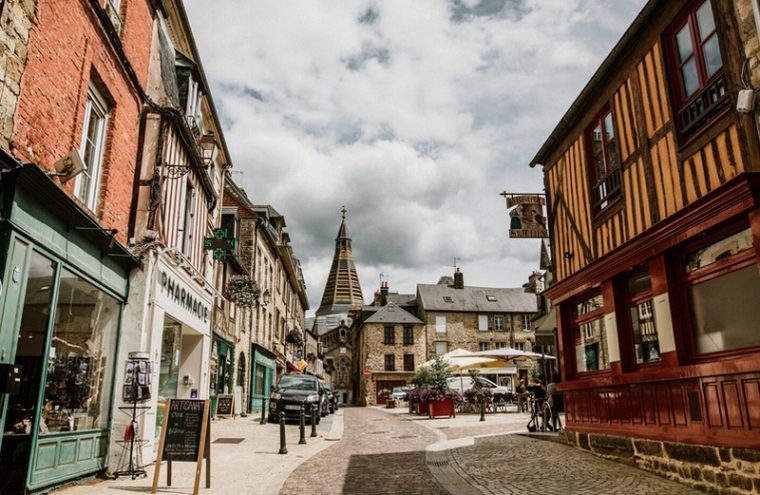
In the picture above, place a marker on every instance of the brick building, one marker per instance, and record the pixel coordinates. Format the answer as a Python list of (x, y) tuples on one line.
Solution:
[(652, 177)]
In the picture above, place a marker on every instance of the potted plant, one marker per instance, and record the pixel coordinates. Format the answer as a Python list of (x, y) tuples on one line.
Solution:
[(294, 337), (440, 400), (421, 380), (241, 291)]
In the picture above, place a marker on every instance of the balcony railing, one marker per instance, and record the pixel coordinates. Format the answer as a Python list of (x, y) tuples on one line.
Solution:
[(707, 103), (606, 189)]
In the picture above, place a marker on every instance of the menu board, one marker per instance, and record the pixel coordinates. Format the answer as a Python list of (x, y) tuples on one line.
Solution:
[(225, 404), (184, 425)]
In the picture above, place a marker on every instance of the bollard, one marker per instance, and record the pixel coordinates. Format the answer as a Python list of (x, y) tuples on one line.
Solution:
[(302, 439), (313, 420), (283, 448), (263, 411), (483, 409)]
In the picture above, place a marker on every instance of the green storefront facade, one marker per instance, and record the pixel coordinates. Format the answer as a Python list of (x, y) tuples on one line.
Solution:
[(222, 367), (263, 370), (64, 284)]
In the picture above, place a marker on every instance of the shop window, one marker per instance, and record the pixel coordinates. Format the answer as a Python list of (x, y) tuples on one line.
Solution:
[(390, 362), (80, 360), (604, 161), (390, 335), (408, 335), (498, 323), (700, 91), (408, 362), (590, 339), (92, 149), (722, 283), (640, 309)]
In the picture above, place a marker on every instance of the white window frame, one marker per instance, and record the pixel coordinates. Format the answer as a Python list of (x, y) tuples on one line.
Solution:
[(527, 325), (440, 323), (93, 171), (483, 323), (498, 323), (441, 346)]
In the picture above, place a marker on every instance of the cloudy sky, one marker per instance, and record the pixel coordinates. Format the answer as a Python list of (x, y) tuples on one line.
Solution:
[(415, 115)]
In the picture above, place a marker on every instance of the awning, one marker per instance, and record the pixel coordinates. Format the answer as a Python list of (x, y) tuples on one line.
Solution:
[(292, 367)]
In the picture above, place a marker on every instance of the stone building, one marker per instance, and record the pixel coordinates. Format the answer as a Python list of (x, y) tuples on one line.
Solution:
[(391, 344), (341, 299), (477, 319), (653, 175)]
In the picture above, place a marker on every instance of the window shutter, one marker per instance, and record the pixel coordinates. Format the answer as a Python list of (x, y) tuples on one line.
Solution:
[(490, 322)]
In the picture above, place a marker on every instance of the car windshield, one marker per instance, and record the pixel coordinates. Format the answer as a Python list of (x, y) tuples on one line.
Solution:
[(399, 390), (297, 383)]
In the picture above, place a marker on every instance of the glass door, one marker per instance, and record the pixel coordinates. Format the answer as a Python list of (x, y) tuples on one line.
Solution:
[(168, 375)]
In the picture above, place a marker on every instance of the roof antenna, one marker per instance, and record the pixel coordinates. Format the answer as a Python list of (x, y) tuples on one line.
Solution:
[(456, 268)]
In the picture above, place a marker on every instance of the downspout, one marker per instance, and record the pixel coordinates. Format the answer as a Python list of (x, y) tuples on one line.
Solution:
[(756, 14)]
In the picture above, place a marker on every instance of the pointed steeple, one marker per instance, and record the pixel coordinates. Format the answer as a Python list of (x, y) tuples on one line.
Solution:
[(342, 290)]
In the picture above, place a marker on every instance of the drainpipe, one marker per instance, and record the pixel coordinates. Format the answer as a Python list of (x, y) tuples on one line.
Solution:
[(756, 13)]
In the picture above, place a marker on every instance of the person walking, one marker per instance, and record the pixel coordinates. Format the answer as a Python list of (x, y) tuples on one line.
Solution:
[(522, 396)]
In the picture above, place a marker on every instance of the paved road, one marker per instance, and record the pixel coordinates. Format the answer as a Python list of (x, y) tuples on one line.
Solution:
[(383, 454), (379, 454)]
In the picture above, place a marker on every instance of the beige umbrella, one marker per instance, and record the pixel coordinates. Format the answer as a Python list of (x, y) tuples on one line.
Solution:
[(507, 353), (462, 359)]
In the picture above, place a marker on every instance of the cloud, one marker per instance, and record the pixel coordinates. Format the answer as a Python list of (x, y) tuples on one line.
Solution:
[(415, 115)]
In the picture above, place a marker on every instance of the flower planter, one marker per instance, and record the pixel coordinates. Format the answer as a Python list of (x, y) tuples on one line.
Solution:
[(421, 409), (445, 407)]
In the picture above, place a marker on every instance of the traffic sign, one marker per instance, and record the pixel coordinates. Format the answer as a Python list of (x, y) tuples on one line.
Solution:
[(367, 372)]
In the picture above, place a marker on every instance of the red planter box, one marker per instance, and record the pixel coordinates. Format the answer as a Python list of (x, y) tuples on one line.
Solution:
[(445, 407)]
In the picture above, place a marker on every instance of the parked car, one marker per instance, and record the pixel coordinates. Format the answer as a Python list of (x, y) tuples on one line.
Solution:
[(462, 383), (332, 399), (399, 393), (292, 391)]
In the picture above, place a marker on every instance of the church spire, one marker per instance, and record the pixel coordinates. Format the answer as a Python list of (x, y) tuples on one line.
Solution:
[(342, 290)]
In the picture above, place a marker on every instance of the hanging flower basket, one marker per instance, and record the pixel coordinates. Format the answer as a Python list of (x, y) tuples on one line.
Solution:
[(294, 337), (242, 291)]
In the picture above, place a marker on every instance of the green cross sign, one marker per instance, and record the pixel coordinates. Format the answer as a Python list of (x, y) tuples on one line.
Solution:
[(220, 244)]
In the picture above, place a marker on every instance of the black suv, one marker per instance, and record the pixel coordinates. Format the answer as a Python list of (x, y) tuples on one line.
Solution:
[(292, 391)]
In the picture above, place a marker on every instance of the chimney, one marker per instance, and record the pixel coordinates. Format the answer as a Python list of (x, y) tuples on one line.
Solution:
[(458, 279), (384, 289)]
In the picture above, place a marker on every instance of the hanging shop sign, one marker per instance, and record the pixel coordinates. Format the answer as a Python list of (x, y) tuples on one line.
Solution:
[(527, 218), (181, 301), (220, 244)]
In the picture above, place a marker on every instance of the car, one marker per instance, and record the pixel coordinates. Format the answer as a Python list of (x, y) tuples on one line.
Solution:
[(462, 383), (399, 393), (332, 400), (291, 392)]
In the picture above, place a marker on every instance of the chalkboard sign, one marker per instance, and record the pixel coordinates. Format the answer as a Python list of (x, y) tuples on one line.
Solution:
[(225, 404), (184, 424)]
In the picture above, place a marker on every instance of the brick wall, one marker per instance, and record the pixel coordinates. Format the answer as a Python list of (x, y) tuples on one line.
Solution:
[(711, 469), (15, 23), (67, 51)]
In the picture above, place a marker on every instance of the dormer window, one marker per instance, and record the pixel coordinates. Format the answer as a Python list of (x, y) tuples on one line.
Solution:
[(491, 298), (189, 92), (448, 299)]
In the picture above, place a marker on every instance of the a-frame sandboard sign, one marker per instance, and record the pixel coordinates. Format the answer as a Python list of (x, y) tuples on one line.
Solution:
[(185, 437)]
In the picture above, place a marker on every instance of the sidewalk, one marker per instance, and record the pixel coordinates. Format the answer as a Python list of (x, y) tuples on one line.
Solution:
[(245, 462)]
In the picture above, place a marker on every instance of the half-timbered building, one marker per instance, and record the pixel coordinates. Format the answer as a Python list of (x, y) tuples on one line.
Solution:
[(652, 181)]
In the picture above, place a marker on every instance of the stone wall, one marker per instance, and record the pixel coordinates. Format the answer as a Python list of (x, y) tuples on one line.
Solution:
[(462, 332), (15, 22), (745, 20), (716, 470)]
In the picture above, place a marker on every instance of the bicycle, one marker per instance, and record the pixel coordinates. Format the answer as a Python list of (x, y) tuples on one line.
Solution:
[(542, 417)]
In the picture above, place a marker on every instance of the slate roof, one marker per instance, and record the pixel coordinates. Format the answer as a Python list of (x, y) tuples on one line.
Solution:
[(327, 323), (474, 299), (402, 299), (392, 313)]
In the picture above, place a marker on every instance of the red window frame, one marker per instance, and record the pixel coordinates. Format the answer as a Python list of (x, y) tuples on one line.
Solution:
[(605, 186), (710, 100), (576, 322), (632, 300)]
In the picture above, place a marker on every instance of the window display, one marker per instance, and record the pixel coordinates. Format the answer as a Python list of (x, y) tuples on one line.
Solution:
[(79, 362)]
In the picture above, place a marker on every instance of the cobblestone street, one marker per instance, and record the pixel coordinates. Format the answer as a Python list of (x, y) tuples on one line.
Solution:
[(385, 453)]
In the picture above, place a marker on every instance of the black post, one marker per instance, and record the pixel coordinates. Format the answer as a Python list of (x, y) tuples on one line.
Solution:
[(302, 439), (263, 407), (283, 448), (313, 421), (482, 408)]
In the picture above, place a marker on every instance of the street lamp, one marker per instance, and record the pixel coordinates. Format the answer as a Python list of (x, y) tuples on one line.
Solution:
[(207, 146)]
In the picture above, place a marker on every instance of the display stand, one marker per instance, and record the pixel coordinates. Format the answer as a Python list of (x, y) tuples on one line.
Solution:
[(137, 380)]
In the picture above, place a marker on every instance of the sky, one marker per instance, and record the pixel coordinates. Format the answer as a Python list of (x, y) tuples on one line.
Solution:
[(415, 115)]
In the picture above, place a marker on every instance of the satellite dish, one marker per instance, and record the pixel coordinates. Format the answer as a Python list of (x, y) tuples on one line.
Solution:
[(69, 166)]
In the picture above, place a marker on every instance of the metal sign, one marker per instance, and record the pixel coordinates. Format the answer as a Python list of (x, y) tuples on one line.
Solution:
[(527, 219)]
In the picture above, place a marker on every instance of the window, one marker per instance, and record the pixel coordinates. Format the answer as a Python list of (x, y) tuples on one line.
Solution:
[(390, 362), (440, 324), (590, 339), (721, 284), (498, 323), (186, 234), (520, 346), (484, 346), (491, 298), (408, 335), (448, 299), (408, 362), (441, 348), (390, 335), (527, 324), (92, 149), (483, 323), (640, 309), (80, 363), (700, 90), (604, 166)]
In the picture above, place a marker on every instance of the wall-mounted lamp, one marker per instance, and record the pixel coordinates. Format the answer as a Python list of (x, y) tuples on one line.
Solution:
[(207, 146)]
